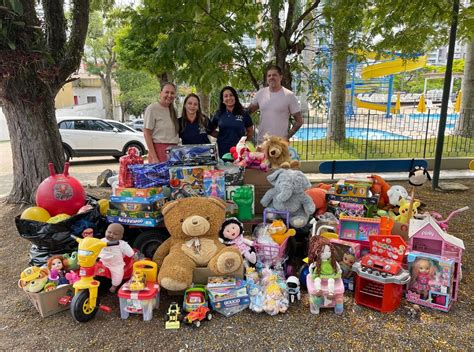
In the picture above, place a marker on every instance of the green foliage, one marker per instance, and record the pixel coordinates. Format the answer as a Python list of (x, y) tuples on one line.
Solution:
[(199, 45), (12, 25), (138, 89)]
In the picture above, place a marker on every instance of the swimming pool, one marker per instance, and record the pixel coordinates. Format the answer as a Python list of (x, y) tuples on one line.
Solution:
[(433, 116), (308, 133)]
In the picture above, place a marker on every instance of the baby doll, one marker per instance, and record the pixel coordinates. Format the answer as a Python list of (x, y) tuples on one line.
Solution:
[(231, 233), (323, 264), (112, 257), (422, 272), (58, 266), (348, 259)]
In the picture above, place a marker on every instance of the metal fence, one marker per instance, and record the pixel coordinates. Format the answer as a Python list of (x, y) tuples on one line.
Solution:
[(371, 135)]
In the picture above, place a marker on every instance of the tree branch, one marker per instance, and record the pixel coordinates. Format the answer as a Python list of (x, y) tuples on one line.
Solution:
[(289, 19), (75, 45), (55, 27), (304, 14)]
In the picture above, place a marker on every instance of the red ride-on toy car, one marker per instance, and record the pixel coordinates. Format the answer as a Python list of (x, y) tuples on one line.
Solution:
[(197, 315)]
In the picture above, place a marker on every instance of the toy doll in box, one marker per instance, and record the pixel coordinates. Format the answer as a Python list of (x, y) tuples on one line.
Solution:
[(431, 280), (214, 183)]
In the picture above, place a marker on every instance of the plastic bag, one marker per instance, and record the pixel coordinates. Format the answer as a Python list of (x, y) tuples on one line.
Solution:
[(51, 239)]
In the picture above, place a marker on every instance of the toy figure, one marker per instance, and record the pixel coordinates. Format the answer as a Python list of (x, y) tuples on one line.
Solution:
[(243, 197), (293, 288), (348, 259), (256, 296), (231, 233), (323, 264), (72, 263), (422, 273), (274, 301), (33, 279), (112, 257), (278, 231), (88, 233), (58, 265)]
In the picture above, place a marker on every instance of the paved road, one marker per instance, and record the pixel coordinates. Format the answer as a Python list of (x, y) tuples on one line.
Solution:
[(85, 170)]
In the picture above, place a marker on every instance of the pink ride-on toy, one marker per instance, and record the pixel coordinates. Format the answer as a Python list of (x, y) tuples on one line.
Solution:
[(324, 301)]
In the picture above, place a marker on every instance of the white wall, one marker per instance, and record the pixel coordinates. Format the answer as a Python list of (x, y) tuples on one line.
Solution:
[(83, 93), (4, 136), (91, 110)]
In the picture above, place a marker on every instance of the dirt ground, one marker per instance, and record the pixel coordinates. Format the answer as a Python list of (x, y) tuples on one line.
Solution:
[(359, 328)]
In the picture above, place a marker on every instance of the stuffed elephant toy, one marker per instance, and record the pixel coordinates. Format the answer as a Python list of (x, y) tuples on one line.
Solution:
[(288, 194)]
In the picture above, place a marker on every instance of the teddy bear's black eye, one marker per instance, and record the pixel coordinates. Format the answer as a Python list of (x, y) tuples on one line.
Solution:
[(208, 218), (182, 220)]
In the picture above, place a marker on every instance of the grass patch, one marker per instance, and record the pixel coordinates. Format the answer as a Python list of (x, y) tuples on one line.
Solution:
[(350, 148)]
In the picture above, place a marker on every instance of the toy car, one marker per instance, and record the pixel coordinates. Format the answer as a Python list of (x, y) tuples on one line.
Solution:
[(195, 297), (172, 316), (197, 315)]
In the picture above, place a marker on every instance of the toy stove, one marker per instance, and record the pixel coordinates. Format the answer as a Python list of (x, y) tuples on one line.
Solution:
[(380, 276)]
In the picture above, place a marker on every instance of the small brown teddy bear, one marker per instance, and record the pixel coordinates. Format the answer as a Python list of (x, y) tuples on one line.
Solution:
[(277, 153), (193, 224)]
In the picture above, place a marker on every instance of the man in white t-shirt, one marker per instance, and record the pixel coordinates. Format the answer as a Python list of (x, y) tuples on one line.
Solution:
[(276, 104)]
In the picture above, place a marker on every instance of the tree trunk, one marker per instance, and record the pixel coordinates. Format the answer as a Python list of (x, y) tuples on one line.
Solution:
[(205, 103), (465, 125), (107, 95), (30, 112), (336, 126)]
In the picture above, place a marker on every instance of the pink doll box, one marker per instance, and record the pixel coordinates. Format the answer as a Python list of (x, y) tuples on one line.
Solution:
[(431, 282), (322, 301), (214, 183), (427, 237)]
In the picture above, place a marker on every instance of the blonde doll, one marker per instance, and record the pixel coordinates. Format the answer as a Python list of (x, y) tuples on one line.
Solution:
[(422, 273)]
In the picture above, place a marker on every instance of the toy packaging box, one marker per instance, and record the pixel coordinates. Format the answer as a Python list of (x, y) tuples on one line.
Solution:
[(431, 280), (353, 188), (47, 303), (136, 211), (228, 300), (347, 253), (140, 192), (193, 154), (187, 181), (214, 184)]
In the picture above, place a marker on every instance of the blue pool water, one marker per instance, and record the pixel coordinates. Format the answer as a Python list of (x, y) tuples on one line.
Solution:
[(433, 116), (308, 133)]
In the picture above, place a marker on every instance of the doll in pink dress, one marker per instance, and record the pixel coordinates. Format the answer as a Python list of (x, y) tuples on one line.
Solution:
[(422, 274), (231, 234)]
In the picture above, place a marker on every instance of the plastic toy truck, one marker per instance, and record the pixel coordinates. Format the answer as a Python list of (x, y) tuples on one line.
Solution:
[(197, 315)]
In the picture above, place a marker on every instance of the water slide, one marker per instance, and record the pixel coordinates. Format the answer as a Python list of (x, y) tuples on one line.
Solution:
[(387, 68)]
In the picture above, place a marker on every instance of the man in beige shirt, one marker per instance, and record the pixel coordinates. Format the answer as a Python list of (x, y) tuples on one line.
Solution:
[(276, 104), (161, 125)]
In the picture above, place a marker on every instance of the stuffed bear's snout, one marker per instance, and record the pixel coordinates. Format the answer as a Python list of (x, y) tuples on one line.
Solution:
[(195, 226)]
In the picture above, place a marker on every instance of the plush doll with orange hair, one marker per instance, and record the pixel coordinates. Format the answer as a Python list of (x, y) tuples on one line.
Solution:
[(380, 186)]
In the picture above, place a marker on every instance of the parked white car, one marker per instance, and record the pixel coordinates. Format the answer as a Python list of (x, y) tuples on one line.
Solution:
[(91, 136)]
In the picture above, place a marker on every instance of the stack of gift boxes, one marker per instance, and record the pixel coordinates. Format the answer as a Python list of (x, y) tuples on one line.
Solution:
[(191, 170)]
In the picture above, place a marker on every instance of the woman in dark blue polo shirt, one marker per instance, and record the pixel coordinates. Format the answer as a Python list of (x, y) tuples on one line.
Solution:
[(232, 121), (193, 125)]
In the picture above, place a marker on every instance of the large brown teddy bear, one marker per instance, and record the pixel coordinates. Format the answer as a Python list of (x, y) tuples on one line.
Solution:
[(277, 153), (193, 224)]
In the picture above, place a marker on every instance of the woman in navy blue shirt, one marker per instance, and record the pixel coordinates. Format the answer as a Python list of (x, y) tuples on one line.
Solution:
[(193, 125), (232, 121)]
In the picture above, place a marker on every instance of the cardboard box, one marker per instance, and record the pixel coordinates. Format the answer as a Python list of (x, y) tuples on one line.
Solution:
[(201, 275), (134, 221), (259, 180), (47, 303), (135, 214), (153, 203), (140, 192)]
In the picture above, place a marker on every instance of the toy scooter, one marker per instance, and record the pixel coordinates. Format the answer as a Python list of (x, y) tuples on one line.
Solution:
[(85, 303)]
